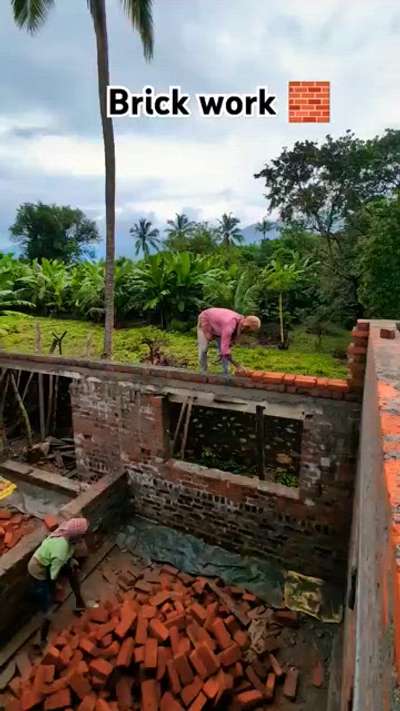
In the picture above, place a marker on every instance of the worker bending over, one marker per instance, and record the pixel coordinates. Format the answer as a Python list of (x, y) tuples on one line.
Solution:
[(53, 558), (225, 326)]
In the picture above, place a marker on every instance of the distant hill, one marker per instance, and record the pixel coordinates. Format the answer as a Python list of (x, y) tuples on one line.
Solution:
[(251, 235)]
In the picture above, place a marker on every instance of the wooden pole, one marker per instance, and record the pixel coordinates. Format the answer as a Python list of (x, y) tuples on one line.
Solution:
[(55, 405), (260, 434), (50, 404), (3, 434), (41, 408), (186, 430), (23, 411), (178, 426)]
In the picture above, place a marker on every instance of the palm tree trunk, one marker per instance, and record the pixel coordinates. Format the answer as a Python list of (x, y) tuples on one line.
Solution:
[(100, 28), (281, 317)]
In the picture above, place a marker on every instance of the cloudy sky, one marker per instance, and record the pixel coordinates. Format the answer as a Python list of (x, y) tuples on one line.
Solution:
[(50, 136)]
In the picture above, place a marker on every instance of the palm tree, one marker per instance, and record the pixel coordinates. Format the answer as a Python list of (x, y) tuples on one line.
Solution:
[(31, 14), (264, 226), (180, 227), (146, 237), (229, 231)]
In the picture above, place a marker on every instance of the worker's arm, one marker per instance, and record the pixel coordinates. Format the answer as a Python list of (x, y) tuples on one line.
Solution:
[(55, 567), (227, 338)]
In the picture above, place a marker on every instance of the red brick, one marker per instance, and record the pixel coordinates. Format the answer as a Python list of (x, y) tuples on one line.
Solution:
[(211, 688), (66, 655), (198, 664), (148, 611), (183, 668), (174, 639), (184, 646), (52, 656), (112, 650), (5, 514), (209, 659), (221, 634), (230, 656), (101, 668), (199, 613), (318, 675), (106, 641), (191, 691), (212, 611), (128, 616), (39, 680), (164, 655), (125, 653), (249, 699), (159, 630), (102, 705), (88, 703), (87, 646), (270, 686), (254, 680), (176, 620), (124, 693), (242, 639), (168, 703), (173, 677), (276, 667), (150, 695), (98, 614), (199, 703), (29, 699), (141, 631), (160, 598), (51, 522), (80, 685), (106, 629), (290, 685), (150, 654), (305, 381), (139, 655), (60, 700), (13, 705)]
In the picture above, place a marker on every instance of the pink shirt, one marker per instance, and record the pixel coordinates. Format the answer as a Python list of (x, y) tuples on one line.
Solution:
[(223, 323)]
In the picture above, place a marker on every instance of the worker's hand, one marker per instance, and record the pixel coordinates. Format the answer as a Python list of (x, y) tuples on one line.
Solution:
[(74, 564)]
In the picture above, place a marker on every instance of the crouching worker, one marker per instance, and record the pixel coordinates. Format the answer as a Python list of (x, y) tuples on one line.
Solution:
[(225, 326), (52, 559)]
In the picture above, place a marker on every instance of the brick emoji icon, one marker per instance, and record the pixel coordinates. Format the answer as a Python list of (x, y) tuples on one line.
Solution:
[(309, 102)]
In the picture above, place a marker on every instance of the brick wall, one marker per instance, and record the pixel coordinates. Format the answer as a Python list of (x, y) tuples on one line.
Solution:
[(117, 427), (309, 101), (371, 649)]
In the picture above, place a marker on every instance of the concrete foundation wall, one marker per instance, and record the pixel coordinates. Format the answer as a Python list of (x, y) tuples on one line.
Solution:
[(119, 427)]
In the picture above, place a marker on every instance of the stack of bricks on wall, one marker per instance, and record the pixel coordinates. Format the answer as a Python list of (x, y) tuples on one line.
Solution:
[(13, 526), (169, 642)]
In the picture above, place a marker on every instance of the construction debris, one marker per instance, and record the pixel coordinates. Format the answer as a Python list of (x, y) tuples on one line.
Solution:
[(59, 451), (165, 640), (13, 526)]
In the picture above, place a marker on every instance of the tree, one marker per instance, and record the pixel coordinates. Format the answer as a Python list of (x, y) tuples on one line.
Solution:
[(12, 292), (48, 286), (322, 186), (180, 227), (200, 239), (53, 232), (32, 15), (281, 277), (238, 290), (146, 237), (229, 231), (264, 226), (379, 260), (171, 285)]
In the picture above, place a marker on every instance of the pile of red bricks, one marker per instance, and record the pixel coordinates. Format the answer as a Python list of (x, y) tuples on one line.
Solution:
[(13, 526), (357, 355), (172, 642)]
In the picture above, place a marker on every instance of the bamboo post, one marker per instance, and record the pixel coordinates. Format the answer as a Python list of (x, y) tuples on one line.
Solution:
[(186, 429), (50, 404), (38, 338), (3, 434), (260, 433), (41, 407), (55, 404), (23, 411)]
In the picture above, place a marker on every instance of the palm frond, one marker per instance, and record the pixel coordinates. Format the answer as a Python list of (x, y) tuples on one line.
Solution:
[(31, 14), (141, 17)]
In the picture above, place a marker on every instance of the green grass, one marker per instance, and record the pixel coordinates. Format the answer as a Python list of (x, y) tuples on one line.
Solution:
[(84, 339)]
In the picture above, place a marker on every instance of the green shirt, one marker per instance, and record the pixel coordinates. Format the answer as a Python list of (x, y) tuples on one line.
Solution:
[(53, 553)]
